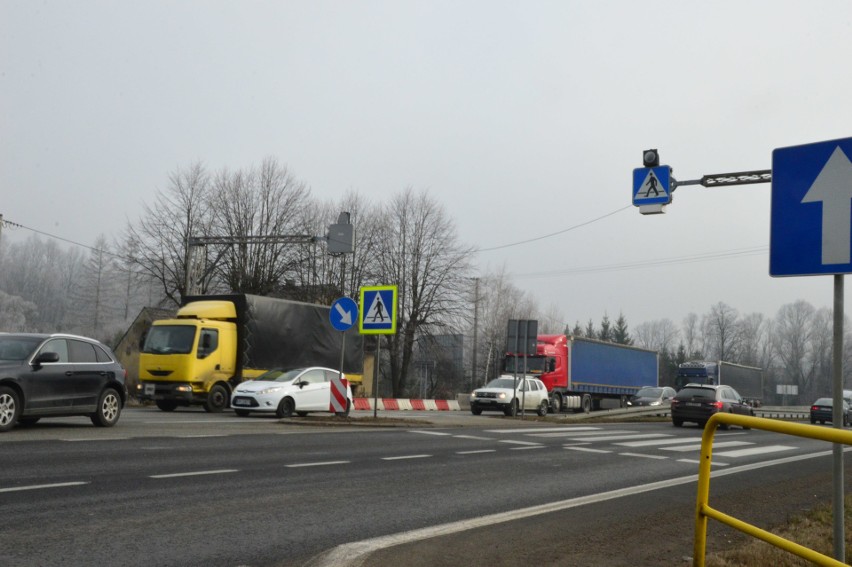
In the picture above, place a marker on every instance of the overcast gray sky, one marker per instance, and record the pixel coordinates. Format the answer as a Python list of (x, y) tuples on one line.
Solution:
[(523, 118)]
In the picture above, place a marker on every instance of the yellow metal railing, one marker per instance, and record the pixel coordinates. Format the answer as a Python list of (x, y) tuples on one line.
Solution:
[(703, 511)]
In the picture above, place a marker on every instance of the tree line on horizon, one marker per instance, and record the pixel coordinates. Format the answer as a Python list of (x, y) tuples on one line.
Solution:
[(409, 240)]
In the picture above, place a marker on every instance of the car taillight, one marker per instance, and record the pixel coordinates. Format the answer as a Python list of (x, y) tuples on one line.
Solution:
[(717, 405), (814, 408)]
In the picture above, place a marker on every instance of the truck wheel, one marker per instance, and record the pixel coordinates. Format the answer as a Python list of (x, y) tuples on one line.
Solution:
[(217, 399), (587, 403), (167, 405), (556, 403), (10, 408), (108, 410), (542, 408), (286, 408)]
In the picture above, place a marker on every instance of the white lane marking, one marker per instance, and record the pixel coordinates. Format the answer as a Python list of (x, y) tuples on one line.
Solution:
[(655, 442), (587, 449), (514, 442), (439, 433), (41, 486), (357, 553), (527, 448), (193, 473), (400, 458), (697, 446), (320, 464), (474, 437), (697, 462), (576, 433), (542, 430), (661, 457), (201, 436), (88, 439), (755, 451), (476, 452), (620, 437)]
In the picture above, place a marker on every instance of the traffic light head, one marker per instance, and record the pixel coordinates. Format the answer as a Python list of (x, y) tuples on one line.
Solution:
[(651, 158)]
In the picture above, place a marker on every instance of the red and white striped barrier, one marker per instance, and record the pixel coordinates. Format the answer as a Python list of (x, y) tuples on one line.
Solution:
[(405, 404)]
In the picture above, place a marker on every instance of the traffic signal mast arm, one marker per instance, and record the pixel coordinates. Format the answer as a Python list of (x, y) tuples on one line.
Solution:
[(728, 179)]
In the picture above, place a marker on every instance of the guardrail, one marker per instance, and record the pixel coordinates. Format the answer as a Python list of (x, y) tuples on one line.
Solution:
[(703, 511)]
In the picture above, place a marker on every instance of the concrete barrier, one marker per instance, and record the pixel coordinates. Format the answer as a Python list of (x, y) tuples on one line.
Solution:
[(405, 404)]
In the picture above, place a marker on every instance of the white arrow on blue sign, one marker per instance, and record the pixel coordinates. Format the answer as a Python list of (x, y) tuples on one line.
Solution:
[(811, 212), (343, 314)]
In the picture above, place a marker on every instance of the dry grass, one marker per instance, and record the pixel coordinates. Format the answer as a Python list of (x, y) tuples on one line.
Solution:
[(813, 530)]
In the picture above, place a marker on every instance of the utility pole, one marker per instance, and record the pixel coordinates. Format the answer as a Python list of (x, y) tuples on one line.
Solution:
[(475, 328)]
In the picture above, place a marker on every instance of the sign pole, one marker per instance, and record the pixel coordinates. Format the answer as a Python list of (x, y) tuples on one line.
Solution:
[(838, 419), (376, 377)]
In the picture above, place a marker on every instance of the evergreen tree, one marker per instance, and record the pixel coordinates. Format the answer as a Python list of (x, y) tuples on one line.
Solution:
[(590, 330), (620, 334), (578, 330), (605, 333)]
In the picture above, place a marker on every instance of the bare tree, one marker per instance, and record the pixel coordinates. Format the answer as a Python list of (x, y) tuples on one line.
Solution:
[(660, 335), (159, 238), (499, 301), (420, 251), (793, 330), (691, 339), (722, 328), (264, 202)]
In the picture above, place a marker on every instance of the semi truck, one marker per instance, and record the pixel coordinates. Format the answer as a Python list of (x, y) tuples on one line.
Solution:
[(579, 373), (746, 380), (217, 341)]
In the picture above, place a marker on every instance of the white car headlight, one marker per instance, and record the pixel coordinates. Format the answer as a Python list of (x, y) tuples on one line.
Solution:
[(655, 403), (269, 390), (502, 395), (473, 394)]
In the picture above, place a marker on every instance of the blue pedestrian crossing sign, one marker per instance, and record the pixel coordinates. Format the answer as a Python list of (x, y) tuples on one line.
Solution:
[(652, 186), (811, 213), (343, 313), (378, 310)]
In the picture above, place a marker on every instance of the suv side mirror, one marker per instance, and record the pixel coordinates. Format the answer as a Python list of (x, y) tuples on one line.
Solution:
[(46, 357)]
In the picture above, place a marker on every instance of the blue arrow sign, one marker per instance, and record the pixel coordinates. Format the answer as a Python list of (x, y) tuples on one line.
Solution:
[(652, 185), (378, 310), (811, 212), (343, 314)]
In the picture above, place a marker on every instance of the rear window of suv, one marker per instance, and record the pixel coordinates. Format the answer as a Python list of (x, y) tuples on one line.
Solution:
[(688, 393)]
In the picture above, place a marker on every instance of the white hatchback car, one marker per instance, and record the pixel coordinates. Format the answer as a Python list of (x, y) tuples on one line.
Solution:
[(500, 395), (288, 392)]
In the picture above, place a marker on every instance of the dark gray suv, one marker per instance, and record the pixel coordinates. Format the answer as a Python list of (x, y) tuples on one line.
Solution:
[(58, 375)]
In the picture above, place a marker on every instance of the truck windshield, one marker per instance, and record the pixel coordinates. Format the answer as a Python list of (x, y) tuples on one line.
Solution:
[(170, 339), (535, 364)]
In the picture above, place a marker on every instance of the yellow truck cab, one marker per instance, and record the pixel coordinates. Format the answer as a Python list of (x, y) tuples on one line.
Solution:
[(191, 359), (215, 342)]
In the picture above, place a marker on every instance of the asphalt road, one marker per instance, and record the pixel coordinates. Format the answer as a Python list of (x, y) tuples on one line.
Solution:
[(190, 488)]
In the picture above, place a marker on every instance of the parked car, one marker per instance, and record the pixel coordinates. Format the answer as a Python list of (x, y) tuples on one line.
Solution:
[(698, 402), (652, 396), (58, 375), (822, 411), (287, 392), (501, 394)]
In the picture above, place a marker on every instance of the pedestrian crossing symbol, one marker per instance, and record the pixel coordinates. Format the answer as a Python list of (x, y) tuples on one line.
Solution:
[(652, 186), (378, 310)]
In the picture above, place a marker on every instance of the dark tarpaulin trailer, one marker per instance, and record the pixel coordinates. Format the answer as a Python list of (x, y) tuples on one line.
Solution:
[(275, 332)]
